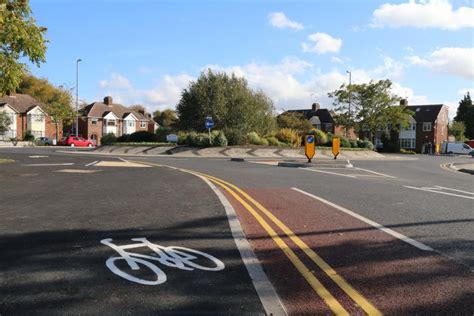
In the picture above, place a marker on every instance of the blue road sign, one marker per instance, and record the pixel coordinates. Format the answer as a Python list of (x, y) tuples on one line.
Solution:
[(209, 123), (310, 139)]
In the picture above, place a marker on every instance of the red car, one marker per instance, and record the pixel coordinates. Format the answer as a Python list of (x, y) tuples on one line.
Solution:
[(75, 141)]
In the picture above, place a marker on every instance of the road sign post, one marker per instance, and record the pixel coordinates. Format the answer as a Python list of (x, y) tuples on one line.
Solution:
[(336, 145), (309, 146), (209, 123)]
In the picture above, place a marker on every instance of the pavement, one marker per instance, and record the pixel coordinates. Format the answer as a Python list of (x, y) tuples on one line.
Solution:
[(386, 236)]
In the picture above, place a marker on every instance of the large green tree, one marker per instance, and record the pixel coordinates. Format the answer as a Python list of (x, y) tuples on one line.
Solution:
[(458, 129), (229, 101), (57, 100), (294, 121), (5, 122), (20, 37), (369, 106), (166, 118), (465, 114)]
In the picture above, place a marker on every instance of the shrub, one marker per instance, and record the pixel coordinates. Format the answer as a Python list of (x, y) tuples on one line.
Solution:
[(272, 141), (235, 137), (182, 138), (407, 152), (108, 139), (289, 136), (321, 137), (201, 140), (254, 139), (161, 133), (329, 139), (125, 138), (345, 142), (143, 136), (353, 143), (28, 136), (219, 139), (368, 144)]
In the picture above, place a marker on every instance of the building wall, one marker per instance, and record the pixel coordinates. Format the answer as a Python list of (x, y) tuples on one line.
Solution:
[(36, 122), (441, 126), (50, 129)]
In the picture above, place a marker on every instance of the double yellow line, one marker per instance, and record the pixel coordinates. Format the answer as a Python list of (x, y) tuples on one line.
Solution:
[(317, 286)]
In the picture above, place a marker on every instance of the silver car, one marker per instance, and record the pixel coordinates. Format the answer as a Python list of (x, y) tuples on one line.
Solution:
[(44, 141)]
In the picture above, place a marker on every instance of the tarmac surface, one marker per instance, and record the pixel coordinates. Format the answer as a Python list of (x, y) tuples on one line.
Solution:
[(391, 237)]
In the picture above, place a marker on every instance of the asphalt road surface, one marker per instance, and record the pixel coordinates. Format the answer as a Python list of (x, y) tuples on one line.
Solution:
[(392, 237)]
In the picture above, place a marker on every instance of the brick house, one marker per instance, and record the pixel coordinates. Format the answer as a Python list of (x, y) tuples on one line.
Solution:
[(28, 115), (323, 120), (101, 118)]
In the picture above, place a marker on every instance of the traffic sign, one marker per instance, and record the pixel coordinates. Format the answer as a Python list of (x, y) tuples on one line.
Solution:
[(336, 145), (209, 122), (309, 146)]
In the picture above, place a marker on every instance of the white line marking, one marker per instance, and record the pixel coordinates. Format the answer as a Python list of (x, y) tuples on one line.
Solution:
[(456, 190), (92, 163), (435, 190), (49, 164), (266, 292), (374, 172), (38, 156), (328, 172), (124, 160), (389, 231)]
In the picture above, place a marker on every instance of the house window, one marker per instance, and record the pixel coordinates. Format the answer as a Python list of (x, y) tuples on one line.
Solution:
[(94, 121), (131, 123), (142, 124), (37, 117), (328, 126), (410, 127), (110, 122), (426, 126), (318, 126), (407, 143)]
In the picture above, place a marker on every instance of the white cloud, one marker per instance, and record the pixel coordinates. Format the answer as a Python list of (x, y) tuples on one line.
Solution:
[(423, 14), (116, 81), (462, 92), (449, 60), (281, 21), (322, 43)]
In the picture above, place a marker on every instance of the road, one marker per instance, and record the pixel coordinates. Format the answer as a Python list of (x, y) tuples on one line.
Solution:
[(387, 236)]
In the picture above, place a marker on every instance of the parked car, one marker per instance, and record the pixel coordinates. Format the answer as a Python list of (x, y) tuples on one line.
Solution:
[(455, 148), (472, 154), (45, 141), (75, 141)]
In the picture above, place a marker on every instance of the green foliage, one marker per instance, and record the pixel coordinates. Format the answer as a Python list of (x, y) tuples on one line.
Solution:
[(235, 136), (273, 141), (294, 121), (457, 129), (353, 143), (390, 145), (143, 136), (254, 139), (166, 118), (219, 139), (319, 135), (345, 142), (198, 139), (465, 114), (108, 139), (5, 122), (289, 136), (372, 106), (365, 143), (20, 37), (229, 101), (28, 137), (125, 138), (182, 138), (407, 152), (162, 132)]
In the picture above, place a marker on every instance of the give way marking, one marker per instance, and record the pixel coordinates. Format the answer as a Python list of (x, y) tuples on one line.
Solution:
[(444, 190)]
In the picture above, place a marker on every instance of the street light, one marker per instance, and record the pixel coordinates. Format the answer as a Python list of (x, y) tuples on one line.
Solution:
[(350, 94), (77, 95)]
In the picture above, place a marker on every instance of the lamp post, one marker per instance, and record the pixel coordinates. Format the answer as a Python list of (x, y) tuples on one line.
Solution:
[(77, 95), (350, 94)]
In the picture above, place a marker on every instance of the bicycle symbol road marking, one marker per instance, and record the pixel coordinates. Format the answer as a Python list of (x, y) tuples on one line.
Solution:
[(173, 256)]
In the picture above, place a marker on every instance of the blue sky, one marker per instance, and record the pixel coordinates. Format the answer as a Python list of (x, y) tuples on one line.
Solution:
[(147, 51)]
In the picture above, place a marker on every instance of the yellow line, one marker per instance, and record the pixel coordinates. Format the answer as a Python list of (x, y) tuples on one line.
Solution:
[(346, 287), (305, 272)]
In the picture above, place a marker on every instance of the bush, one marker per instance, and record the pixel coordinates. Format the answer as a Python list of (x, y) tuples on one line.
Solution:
[(345, 142), (182, 138), (235, 137), (143, 136), (353, 143), (125, 138), (254, 139), (272, 141), (28, 136), (367, 144), (407, 152), (321, 137), (162, 132), (329, 139), (108, 139), (219, 139), (289, 136)]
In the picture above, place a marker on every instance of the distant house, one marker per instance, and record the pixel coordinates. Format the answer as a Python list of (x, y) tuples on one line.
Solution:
[(27, 115), (101, 118), (323, 119)]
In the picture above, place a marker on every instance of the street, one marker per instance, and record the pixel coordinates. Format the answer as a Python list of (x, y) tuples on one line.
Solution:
[(391, 237)]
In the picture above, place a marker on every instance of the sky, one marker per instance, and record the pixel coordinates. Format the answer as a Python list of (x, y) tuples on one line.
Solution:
[(146, 52)]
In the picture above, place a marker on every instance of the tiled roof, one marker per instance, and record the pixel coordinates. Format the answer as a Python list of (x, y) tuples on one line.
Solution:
[(425, 113), (323, 114), (99, 109), (21, 102)]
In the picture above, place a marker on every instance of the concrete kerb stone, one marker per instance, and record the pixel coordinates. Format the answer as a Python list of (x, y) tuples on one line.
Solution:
[(462, 167), (317, 164)]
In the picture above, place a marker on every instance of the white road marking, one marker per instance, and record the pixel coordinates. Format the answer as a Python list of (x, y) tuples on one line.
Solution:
[(92, 163), (49, 164), (456, 190), (77, 171), (436, 190), (124, 160), (389, 231), (374, 172), (38, 156), (328, 172), (172, 256)]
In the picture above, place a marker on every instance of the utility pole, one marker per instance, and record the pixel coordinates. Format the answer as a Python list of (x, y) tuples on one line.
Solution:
[(77, 96)]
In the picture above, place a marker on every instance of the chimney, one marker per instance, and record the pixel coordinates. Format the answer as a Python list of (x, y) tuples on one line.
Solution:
[(108, 100), (403, 102), (142, 112), (315, 106)]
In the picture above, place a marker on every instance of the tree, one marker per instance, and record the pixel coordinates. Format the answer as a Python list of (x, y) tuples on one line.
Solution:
[(19, 37), (166, 118), (457, 129), (465, 114), (372, 107), (57, 100), (229, 101), (294, 121), (5, 122)]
